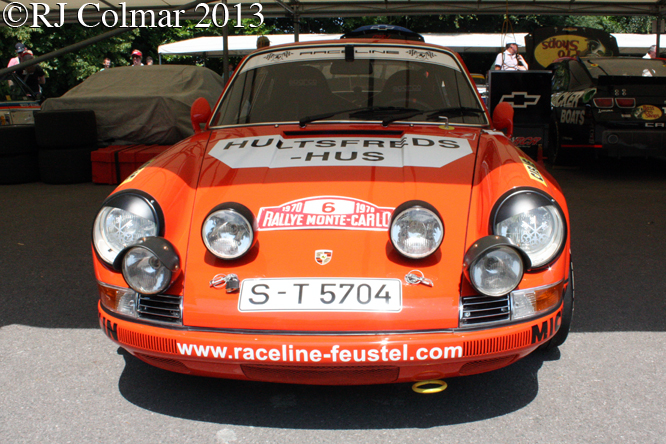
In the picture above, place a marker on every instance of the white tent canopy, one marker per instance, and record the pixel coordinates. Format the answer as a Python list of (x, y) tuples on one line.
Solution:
[(238, 44), (629, 44)]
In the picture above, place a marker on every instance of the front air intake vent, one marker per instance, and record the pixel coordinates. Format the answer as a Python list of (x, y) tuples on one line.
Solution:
[(482, 310), (160, 308), (164, 363), (474, 367), (146, 342), (322, 375)]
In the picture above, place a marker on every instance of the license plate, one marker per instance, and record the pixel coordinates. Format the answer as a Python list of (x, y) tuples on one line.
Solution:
[(321, 294)]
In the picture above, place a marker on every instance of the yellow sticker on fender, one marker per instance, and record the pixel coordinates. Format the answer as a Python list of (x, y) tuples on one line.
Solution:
[(136, 173), (533, 171)]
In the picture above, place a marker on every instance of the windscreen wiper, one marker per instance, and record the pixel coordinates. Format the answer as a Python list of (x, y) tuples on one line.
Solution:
[(307, 119), (406, 114), (354, 112), (454, 111)]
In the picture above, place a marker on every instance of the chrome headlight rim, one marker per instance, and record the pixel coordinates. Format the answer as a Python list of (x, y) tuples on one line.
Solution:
[(241, 210), (162, 250), (523, 199), (486, 245), (132, 201), (410, 205)]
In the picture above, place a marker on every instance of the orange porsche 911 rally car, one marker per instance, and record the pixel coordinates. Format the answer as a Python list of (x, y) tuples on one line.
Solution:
[(348, 213)]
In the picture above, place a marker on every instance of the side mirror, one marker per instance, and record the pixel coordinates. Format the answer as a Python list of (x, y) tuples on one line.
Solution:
[(503, 118), (200, 113)]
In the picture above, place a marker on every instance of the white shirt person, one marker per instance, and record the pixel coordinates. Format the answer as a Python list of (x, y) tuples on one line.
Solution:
[(652, 52), (510, 60)]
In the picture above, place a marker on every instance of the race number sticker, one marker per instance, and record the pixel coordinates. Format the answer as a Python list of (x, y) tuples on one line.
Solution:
[(325, 212), (533, 171)]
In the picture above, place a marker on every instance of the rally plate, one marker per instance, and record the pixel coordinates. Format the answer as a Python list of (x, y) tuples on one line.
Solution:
[(321, 294)]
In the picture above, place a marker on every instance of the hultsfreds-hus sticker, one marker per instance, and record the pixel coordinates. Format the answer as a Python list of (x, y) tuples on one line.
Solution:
[(276, 152)]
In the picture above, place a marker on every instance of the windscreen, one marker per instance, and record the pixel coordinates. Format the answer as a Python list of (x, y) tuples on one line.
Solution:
[(332, 83)]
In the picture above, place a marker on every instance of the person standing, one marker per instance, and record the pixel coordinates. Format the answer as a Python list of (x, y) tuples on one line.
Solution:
[(20, 49), (510, 60), (137, 57), (33, 76), (263, 42), (652, 52), (106, 63)]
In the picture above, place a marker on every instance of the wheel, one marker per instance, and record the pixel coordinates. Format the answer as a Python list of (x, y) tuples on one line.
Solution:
[(61, 129), (18, 168), (15, 140), (61, 166), (553, 147), (567, 315)]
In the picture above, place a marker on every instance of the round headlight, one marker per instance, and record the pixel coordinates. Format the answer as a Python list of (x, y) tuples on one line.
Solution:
[(144, 272), (533, 222), (497, 271), (125, 218), (416, 230), (116, 229), (227, 232)]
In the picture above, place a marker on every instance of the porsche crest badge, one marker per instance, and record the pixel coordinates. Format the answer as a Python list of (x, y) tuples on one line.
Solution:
[(323, 257)]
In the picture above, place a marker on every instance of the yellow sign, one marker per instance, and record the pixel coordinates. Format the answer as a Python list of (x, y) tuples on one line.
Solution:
[(647, 112), (533, 171), (567, 45)]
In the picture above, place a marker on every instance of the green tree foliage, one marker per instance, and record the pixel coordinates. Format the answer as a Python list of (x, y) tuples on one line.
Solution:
[(68, 70), (634, 25)]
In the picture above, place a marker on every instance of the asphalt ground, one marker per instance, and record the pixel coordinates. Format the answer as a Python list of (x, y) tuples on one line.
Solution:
[(62, 380)]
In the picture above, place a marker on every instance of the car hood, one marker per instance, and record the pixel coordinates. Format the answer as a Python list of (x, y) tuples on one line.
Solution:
[(322, 198)]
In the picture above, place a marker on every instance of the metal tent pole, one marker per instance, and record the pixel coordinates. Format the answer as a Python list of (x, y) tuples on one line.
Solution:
[(659, 21), (225, 51)]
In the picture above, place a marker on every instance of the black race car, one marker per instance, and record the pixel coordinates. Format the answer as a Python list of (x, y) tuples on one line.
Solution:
[(615, 104)]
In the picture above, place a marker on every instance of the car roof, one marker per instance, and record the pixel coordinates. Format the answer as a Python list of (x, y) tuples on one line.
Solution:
[(347, 41)]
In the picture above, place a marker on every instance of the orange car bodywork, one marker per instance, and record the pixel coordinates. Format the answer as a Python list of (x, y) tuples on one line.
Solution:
[(421, 341)]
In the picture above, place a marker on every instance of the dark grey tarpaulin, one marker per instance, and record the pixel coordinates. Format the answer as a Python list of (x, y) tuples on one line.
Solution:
[(148, 104)]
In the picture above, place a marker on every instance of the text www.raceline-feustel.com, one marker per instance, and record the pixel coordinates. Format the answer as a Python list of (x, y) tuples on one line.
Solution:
[(287, 353)]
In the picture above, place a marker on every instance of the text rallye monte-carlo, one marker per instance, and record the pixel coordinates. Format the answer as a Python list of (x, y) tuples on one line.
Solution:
[(349, 214)]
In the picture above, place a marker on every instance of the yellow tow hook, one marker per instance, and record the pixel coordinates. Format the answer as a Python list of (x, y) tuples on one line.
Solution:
[(431, 386)]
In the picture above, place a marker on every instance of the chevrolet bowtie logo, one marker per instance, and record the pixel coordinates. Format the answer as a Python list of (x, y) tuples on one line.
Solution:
[(520, 99), (382, 27)]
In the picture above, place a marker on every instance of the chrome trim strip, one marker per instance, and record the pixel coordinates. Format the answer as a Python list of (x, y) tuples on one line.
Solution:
[(350, 122), (316, 333)]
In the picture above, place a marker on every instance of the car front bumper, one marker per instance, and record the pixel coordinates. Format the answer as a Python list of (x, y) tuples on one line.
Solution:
[(329, 359)]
